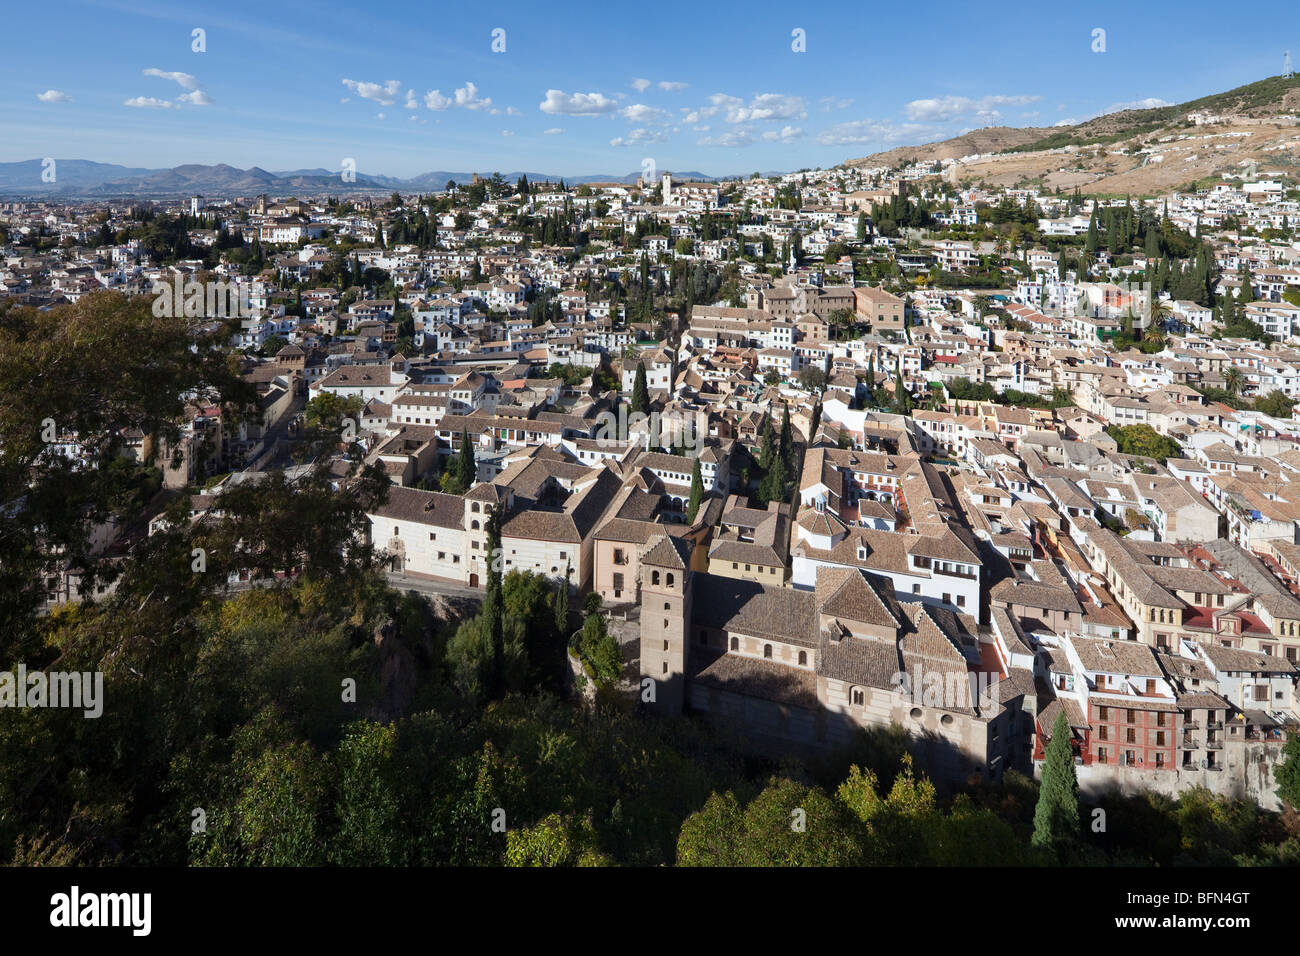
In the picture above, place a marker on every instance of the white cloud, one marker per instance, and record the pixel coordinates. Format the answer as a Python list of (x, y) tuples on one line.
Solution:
[(379, 116), (197, 98), (385, 94), (54, 96), (149, 103), (640, 113), (640, 137), (553, 131), (735, 138), (467, 96), (186, 81), (345, 99), (786, 134), (1150, 103), (672, 86), (872, 131), (640, 84), (411, 102), (436, 101), (511, 111), (507, 132), (577, 104), (767, 106), (952, 107), (829, 103)]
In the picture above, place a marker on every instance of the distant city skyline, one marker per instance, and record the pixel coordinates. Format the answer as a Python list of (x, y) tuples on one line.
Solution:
[(402, 89)]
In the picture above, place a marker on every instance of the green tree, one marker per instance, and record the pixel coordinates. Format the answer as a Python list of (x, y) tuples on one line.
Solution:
[(1288, 772), (1056, 817), (466, 468), (697, 492), (640, 393)]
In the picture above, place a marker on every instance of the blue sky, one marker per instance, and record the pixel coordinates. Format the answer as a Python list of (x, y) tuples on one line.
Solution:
[(405, 88)]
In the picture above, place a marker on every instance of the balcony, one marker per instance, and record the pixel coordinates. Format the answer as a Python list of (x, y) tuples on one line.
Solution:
[(1214, 744), (1190, 743)]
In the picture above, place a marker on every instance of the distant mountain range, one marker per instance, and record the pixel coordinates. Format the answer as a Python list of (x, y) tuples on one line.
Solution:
[(82, 178)]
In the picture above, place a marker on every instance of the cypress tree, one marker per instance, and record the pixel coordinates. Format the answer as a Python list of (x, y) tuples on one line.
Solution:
[(494, 601), (640, 393), (466, 469), (562, 603), (902, 400), (697, 493), (1056, 818), (785, 434), (767, 454)]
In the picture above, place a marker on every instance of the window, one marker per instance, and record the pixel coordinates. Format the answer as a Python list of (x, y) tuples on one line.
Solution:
[(803, 658), (670, 579), (474, 508), (396, 531), (665, 624), (961, 600), (1131, 717), (654, 577), (767, 651), (858, 696), (947, 598), (1130, 736), (432, 536), (618, 582), (916, 589), (665, 645), (665, 667), (735, 643)]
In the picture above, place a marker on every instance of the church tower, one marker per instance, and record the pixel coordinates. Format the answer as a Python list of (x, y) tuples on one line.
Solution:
[(665, 623)]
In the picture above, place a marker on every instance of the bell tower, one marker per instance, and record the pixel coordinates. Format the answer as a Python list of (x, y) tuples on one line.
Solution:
[(665, 623)]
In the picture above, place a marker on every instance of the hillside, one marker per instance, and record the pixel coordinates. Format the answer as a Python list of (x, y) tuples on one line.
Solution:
[(1132, 151), (991, 139)]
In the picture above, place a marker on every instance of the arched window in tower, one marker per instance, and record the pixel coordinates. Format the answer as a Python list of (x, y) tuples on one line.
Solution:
[(473, 525), (474, 507), (767, 651), (654, 577), (803, 658), (670, 579)]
